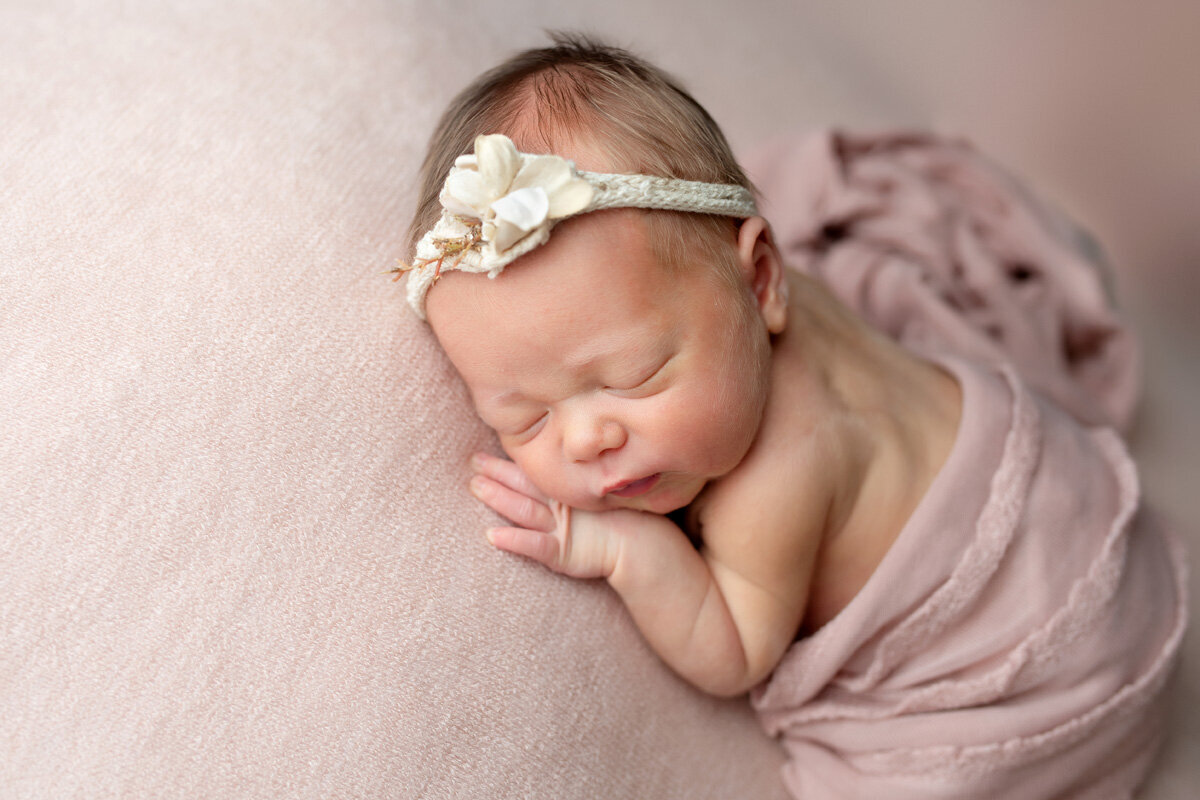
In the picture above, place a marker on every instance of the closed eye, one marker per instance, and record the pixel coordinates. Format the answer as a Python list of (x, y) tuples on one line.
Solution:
[(642, 382), (510, 426), (532, 428)]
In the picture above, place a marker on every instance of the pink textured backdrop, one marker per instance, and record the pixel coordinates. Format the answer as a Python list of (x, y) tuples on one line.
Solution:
[(236, 557)]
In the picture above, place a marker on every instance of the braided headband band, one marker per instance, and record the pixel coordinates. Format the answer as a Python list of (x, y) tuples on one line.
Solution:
[(498, 204)]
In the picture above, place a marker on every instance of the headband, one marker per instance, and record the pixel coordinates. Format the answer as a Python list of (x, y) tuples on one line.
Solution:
[(498, 204)]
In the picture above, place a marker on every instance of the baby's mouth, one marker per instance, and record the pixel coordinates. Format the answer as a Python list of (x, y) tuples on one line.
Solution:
[(635, 488)]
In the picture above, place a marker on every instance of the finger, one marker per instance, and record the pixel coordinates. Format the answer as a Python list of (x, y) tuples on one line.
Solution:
[(520, 509), (507, 473), (541, 547)]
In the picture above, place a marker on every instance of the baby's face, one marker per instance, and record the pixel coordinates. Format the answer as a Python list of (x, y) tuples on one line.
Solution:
[(611, 383)]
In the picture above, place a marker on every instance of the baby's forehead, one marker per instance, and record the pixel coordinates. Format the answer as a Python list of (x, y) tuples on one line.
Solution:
[(557, 316), (598, 273), (495, 347)]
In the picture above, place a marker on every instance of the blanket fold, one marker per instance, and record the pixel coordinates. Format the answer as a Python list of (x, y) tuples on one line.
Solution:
[(941, 249)]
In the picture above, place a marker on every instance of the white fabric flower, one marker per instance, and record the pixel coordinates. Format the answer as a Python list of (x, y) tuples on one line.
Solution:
[(513, 196)]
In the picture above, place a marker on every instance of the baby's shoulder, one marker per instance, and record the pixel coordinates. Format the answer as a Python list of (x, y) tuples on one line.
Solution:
[(767, 517)]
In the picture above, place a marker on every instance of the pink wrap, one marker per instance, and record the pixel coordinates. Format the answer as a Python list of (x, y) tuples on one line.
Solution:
[(1014, 641), (939, 248)]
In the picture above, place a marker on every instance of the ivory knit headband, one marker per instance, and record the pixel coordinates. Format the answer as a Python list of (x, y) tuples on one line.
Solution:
[(498, 204)]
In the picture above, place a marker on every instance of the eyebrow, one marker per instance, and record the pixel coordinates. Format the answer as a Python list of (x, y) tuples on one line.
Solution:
[(615, 349)]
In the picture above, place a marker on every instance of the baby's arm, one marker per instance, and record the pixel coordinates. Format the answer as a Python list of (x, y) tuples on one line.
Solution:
[(716, 628)]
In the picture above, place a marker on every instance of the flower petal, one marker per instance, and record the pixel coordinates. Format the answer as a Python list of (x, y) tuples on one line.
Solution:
[(506, 235), (498, 162), (571, 198), (517, 213), (455, 207), (548, 172), (465, 193), (524, 207)]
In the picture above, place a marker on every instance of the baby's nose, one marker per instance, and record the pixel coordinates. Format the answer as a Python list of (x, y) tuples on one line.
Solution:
[(587, 438)]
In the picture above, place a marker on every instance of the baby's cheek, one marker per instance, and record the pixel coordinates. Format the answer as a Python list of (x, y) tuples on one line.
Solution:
[(732, 420), (547, 474), (703, 431)]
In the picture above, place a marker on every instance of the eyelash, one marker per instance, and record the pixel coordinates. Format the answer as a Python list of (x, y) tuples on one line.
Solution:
[(531, 429), (643, 381)]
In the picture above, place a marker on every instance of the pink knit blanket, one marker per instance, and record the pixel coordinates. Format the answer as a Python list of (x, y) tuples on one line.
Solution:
[(1015, 640)]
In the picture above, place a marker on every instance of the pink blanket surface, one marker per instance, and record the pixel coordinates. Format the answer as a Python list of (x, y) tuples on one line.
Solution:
[(1015, 640)]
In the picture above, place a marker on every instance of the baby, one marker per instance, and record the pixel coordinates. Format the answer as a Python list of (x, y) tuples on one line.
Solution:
[(640, 349)]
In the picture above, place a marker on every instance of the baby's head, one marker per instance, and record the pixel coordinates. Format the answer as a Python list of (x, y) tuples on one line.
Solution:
[(624, 359), (603, 108)]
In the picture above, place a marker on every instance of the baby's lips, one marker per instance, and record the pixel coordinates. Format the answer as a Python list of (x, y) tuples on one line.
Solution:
[(635, 488)]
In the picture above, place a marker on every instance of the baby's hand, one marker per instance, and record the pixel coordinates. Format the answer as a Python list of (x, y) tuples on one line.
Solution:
[(581, 544)]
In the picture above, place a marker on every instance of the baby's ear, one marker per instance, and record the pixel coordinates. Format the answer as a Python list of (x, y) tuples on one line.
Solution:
[(762, 266)]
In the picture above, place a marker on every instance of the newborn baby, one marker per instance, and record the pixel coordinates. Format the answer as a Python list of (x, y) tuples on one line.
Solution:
[(799, 440), (640, 349)]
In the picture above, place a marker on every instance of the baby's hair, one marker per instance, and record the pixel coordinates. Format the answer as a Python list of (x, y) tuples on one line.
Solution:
[(583, 91)]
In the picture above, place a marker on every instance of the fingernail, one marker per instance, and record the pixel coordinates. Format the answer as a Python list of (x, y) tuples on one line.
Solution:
[(474, 486), (477, 461), (491, 536)]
